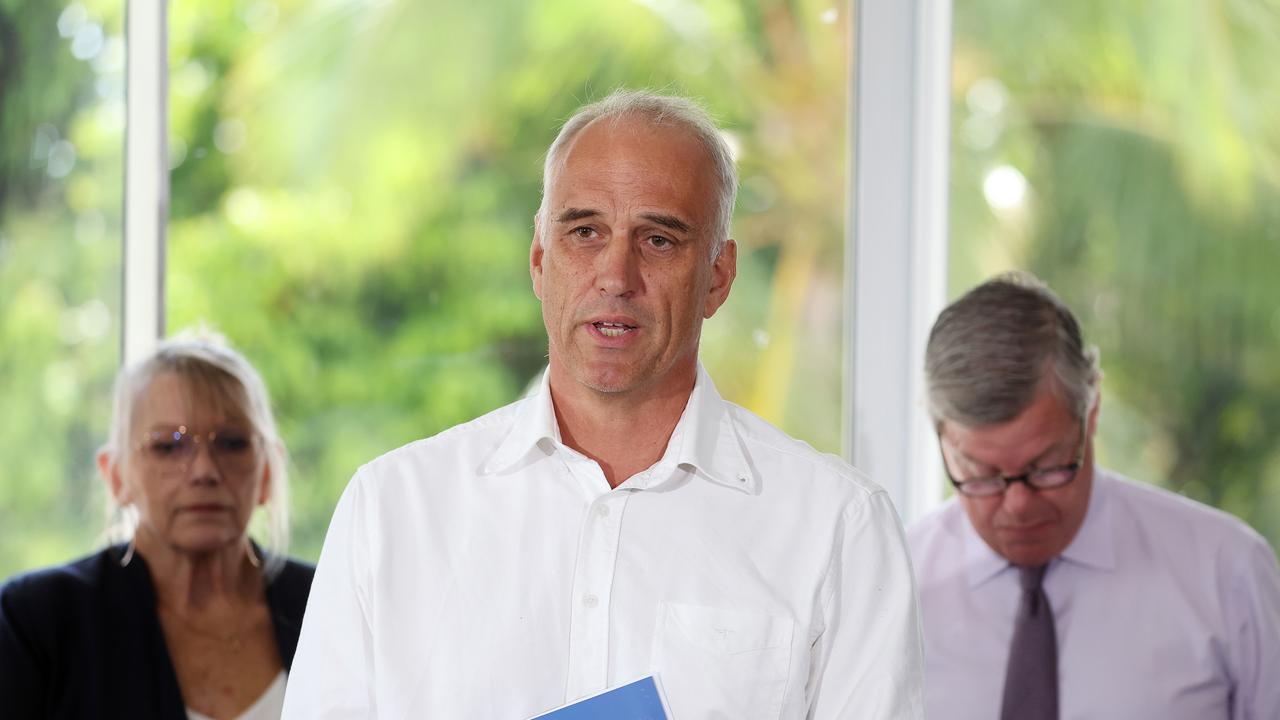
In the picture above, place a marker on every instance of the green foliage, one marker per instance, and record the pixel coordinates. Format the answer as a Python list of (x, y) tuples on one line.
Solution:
[(353, 188), (353, 191), (1150, 140), (60, 195)]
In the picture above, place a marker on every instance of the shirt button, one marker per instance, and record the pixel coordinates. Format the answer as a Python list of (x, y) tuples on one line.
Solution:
[(602, 510), (590, 600)]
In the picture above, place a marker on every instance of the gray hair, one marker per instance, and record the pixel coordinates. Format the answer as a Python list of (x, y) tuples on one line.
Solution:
[(659, 110), (990, 352), (214, 373)]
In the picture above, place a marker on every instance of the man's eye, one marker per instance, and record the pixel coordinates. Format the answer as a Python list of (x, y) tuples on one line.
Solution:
[(583, 232), (1054, 476), (659, 241)]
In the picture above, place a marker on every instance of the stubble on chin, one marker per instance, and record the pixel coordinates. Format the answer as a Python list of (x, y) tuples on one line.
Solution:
[(610, 381)]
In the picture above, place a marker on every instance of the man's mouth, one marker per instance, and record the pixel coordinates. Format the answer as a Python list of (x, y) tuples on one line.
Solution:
[(1024, 528), (613, 329)]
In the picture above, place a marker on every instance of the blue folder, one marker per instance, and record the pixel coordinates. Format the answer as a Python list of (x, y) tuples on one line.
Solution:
[(639, 700)]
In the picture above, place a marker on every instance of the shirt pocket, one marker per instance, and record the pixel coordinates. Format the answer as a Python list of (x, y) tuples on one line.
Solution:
[(716, 663)]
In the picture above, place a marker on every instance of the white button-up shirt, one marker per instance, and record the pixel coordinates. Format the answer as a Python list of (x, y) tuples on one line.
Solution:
[(490, 572), (1163, 608)]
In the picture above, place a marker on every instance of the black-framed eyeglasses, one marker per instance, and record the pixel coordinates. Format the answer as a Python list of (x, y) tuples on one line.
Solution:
[(1039, 479)]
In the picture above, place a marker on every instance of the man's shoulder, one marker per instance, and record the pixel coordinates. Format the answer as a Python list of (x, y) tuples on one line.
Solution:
[(769, 445), (1165, 513), (469, 441), (940, 528)]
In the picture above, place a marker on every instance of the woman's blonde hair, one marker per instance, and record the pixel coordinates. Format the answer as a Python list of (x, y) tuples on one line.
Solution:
[(216, 374)]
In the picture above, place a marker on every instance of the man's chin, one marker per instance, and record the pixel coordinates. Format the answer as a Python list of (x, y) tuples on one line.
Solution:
[(610, 382), (608, 377), (619, 376), (1029, 554)]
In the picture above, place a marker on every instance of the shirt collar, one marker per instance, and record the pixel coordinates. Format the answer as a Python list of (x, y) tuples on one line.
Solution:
[(705, 440), (533, 425), (981, 563), (1092, 546)]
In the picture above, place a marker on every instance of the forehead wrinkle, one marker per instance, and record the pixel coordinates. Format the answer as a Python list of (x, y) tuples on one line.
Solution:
[(602, 167), (1052, 448), (587, 187)]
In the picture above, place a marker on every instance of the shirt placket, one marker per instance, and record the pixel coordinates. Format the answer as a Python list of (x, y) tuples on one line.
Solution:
[(592, 588)]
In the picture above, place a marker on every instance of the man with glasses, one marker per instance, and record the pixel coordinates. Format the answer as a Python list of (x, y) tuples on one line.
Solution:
[(1051, 588)]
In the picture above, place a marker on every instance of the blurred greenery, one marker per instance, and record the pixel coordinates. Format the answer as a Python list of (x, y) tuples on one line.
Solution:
[(353, 187), (353, 184), (61, 189), (1148, 139)]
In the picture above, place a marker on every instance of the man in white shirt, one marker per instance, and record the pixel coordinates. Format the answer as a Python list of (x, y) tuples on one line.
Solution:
[(1050, 588), (624, 520)]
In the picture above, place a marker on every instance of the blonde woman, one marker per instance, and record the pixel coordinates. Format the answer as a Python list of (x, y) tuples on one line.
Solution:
[(185, 617)]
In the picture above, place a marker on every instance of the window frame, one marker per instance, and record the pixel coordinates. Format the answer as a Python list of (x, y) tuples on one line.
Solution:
[(896, 241), (146, 172)]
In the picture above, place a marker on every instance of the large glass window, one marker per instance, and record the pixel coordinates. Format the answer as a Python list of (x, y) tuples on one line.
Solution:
[(1129, 154), (61, 190), (353, 187)]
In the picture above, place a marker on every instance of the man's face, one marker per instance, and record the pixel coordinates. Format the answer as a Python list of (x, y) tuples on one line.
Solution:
[(1026, 526), (622, 259)]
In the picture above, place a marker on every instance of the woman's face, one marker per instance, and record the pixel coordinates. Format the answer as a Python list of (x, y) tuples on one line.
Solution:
[(195, 472)]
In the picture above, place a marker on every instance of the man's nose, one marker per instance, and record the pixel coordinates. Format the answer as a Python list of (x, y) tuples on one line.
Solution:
[(618, 268), (1018, 498)]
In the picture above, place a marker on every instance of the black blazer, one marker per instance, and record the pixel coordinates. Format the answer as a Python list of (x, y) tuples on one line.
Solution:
[(83, 640)]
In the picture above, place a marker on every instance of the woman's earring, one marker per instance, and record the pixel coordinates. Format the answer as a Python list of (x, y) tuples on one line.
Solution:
[(128, 552)]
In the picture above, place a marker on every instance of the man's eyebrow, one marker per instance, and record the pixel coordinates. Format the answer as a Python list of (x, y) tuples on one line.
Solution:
[(970, 459), (671, 222), (571, 214)]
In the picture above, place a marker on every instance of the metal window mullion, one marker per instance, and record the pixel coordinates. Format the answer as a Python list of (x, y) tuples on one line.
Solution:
[(896, 240), (146, 173)]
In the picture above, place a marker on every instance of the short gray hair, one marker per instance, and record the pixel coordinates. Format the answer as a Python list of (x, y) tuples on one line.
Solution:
[(990, 352), (657, 109), (213, 371)]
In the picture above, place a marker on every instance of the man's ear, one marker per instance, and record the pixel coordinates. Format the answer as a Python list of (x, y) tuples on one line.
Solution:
[(724, 268), (109, 469), (536, 253), (1093, 413)]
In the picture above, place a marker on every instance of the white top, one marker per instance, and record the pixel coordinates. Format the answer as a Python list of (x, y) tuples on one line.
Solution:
[(268, 706), (490, 572), (1164, 608)]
